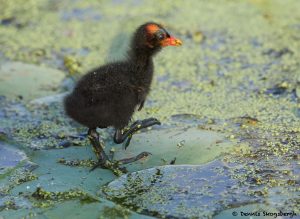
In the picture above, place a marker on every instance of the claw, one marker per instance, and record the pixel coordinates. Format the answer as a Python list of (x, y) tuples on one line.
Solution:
[(128, 141)]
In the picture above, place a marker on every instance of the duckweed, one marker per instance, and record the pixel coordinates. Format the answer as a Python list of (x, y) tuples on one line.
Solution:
[(237, 77), (46, 199)]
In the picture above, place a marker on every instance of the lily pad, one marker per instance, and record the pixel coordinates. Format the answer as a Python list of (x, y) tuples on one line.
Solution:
[(10, 157), (28, 81), (189, 145), (180, 191)]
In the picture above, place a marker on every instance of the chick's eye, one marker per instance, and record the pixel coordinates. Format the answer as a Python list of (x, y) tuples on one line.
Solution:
[(160, 36)]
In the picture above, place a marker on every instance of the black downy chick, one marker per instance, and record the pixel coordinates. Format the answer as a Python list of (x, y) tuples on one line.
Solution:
[(109, 94)]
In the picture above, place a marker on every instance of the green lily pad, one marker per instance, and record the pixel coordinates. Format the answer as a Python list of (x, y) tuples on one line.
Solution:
[(10, 157), (28, 81), (178, 191), (189, 145)]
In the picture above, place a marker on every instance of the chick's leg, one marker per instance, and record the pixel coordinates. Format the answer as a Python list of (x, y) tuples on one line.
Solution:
[(98, 146), (103, 159)]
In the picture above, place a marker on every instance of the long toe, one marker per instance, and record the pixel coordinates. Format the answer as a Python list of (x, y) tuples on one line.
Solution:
[(150, 122), (143, 155), (136, 158)]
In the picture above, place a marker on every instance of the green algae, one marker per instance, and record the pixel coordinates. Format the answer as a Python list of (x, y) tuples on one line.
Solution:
[(204, 99), (38, 126), (229, 70), (115, 212), (17, 177), (81, 163), (46, 199)]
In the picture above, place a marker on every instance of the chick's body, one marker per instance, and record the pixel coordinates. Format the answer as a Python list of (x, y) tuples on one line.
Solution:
[(109, 95)]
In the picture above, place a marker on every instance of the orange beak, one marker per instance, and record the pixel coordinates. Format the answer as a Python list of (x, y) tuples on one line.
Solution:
[(171, 41)]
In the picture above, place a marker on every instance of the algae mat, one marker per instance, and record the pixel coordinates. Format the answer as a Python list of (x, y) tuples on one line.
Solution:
[(236, 75)]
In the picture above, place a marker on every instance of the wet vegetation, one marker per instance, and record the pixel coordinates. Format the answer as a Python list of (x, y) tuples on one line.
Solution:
[(228, 100)]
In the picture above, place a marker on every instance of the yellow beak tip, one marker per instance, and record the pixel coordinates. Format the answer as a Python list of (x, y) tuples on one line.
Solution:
[(178, 42)]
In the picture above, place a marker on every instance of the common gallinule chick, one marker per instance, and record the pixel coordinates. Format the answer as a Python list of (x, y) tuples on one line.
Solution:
[(109, 94)]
